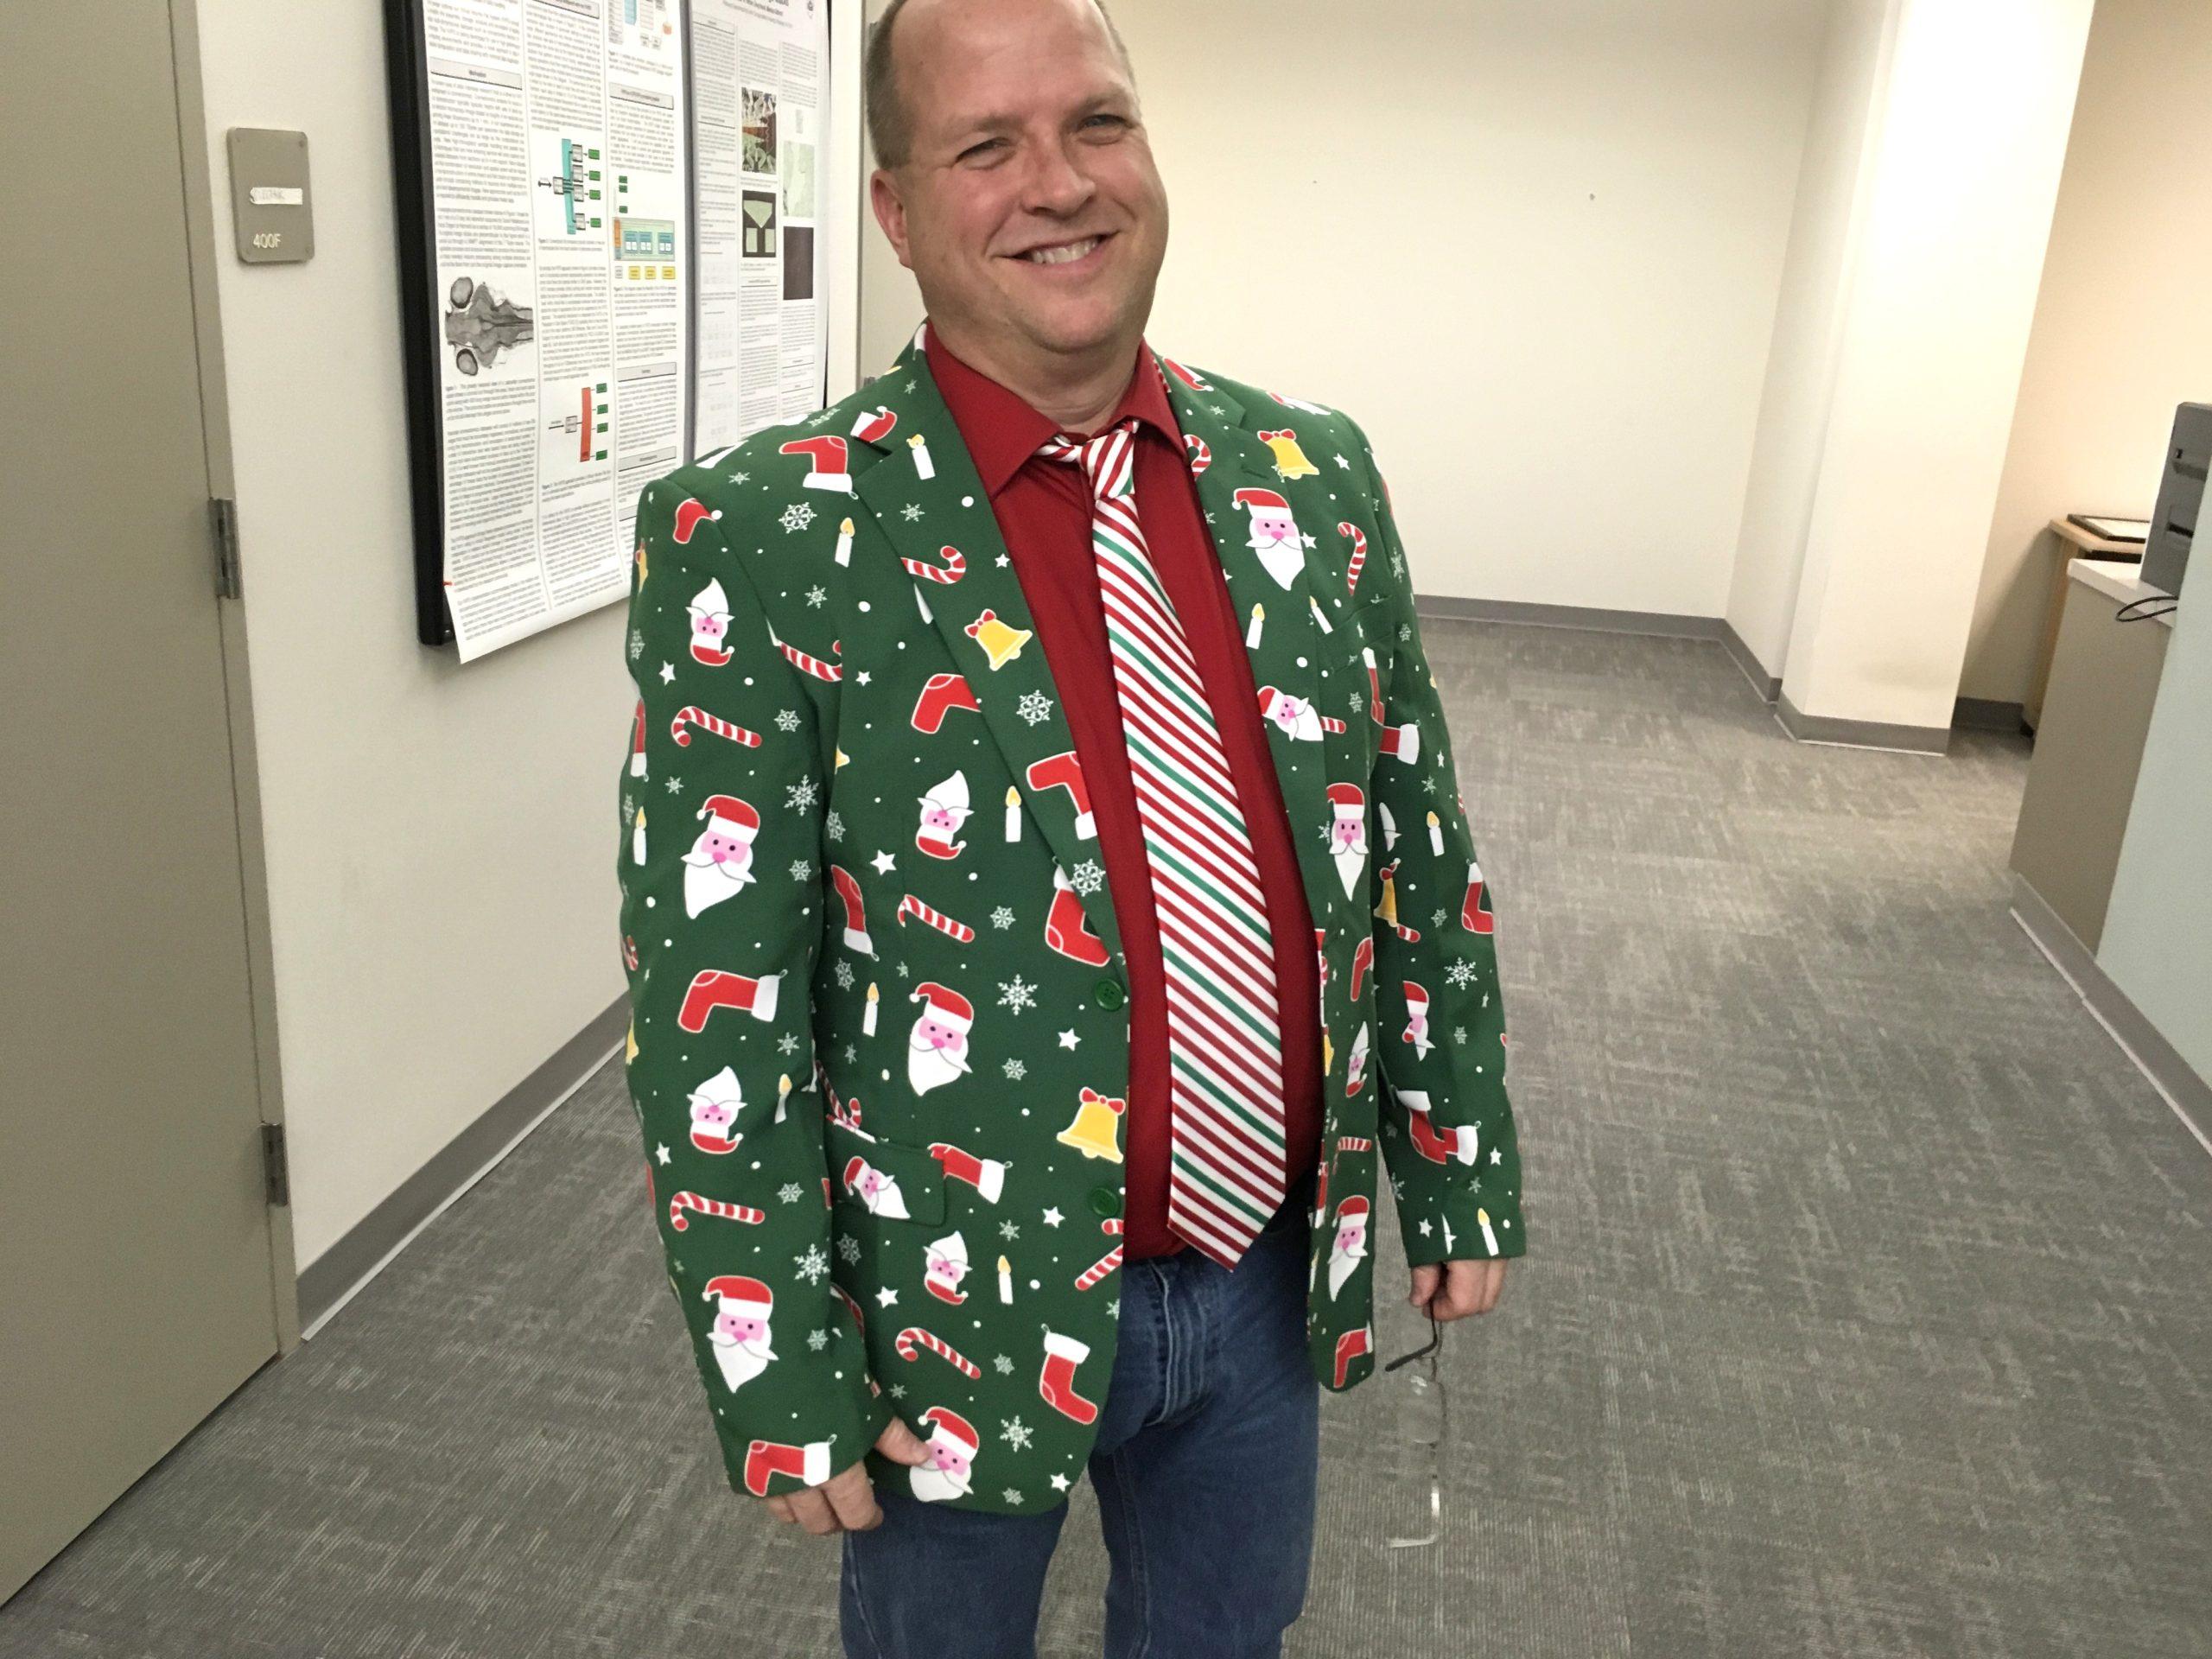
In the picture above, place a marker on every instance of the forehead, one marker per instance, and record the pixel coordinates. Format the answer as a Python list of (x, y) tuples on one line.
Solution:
[(971, 63)]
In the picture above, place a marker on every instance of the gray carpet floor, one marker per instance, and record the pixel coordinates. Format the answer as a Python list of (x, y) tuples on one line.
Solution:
[(1869, 1311)]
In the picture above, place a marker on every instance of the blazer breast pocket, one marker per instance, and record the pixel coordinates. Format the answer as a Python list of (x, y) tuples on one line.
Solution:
[(892, 1180)]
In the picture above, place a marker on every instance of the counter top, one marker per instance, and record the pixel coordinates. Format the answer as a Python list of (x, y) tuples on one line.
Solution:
[(2118, 579)]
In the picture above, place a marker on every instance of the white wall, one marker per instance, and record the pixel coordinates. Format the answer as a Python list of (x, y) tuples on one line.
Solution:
[(1534, 246), (1832, 185), (2122, 332), (1943, 288), (442, 841)]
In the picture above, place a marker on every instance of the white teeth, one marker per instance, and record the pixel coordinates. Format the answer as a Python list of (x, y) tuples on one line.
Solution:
[(1062, 255)]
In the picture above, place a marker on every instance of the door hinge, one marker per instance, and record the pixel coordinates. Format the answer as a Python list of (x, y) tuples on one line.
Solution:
[(223, 521), (274, 1167)]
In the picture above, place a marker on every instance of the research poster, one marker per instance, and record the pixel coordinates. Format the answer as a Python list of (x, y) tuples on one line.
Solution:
[(758, 68), (558, 140)]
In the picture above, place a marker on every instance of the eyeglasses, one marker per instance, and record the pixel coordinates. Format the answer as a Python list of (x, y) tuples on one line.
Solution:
[(1427, 1383)]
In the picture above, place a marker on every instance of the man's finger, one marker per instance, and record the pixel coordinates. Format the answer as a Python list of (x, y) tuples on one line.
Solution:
[(781, 1507), (900, 1444), (812, 1512), (852, 1500), (1424, 1278)]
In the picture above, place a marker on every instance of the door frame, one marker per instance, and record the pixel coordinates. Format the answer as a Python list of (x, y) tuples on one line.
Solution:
[(200, 238)]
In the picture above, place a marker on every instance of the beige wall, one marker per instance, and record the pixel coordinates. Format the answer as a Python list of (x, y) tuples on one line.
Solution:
[(1534, 246), (2122, 329), (442, 841), (1801, 370)]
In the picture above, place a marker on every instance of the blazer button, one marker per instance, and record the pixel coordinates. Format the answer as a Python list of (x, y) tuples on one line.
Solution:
[(1106, 1201), (1108, 993)]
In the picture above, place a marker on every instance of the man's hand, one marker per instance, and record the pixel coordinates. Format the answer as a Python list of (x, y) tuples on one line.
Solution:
[(1451, 1290), (846, 1502)]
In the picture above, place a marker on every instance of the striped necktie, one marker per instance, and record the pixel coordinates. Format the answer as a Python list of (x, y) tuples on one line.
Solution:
[(1224, 1043)]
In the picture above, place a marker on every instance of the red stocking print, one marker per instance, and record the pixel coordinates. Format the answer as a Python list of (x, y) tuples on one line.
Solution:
[(1062, 1356)]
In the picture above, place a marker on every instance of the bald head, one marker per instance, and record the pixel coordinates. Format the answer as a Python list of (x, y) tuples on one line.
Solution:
[(890, 124)]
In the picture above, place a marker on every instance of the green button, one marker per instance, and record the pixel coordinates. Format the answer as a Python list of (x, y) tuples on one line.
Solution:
[(1105, 1200), (1108, 993)]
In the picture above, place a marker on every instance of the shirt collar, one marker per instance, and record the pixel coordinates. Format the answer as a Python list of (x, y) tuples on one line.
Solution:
[(1002, 431)]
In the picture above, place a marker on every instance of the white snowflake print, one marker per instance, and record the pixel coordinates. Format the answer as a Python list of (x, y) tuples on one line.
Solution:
[(834, 826), (1458, 1034), (1015, 1070), (676, 785), (1001, 918), (897, 1390), (801, 868), (817, 1340), (787, 719), (844, 972), (1436, 916), (1405, 631), (1086, 878), (848, 1248), (813, 1263), (1009, 1231), (1017, 993), (629, 809), (1034, 707), (1461, 973), (1003, 1366), (1398, 565), (801, 796), (789, 1193), (636, 644), (740, 478), (1011, 1496), (816, 594), (1015, 1434), (909, 512), (788, 1043), (797, 516)]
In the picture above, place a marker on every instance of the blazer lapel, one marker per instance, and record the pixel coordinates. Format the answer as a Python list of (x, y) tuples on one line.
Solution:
[(926, 497), (1287, 643)]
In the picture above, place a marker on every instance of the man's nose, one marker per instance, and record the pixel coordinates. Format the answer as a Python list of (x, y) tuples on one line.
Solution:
[(1057, 184)]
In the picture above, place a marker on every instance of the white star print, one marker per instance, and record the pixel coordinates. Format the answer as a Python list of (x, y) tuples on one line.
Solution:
[(886, 1297), (1069, 1040), (667, 672), (1053, 1218), (661, 1152), (883, 862)]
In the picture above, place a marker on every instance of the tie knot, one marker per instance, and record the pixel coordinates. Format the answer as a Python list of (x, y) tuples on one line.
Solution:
[(1106, 456)]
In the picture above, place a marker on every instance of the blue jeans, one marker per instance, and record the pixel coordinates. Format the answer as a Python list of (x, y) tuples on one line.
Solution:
[(1208, 1448)]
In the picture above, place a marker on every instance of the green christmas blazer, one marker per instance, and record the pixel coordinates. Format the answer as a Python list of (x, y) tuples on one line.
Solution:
[(879, 1048)]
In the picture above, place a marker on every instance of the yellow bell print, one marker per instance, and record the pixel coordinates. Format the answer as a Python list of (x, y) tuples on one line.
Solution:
[(641, 561), (1290, 460), (1095, 1132), (630, 1042), (1001, 641)]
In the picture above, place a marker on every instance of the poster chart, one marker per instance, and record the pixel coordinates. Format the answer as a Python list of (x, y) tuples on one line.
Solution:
[(556, 133), (758, 68)]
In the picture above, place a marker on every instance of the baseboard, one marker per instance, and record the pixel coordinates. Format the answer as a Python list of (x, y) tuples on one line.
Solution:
[(1769, 686), (2187, 1094), (1860, 734), (1988, 714), (1666, 625), (355, 1258)]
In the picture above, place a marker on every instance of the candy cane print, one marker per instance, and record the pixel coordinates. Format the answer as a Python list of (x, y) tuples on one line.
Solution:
[(1354, 1143), (1201, 457), (1358, 554), (691, 715), (914, 1337), (955, 567), (1106, 1263), (704, 1205), (911, 906), (808, 665)]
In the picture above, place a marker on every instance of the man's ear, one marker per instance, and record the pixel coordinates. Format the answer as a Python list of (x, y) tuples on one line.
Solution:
[(890, 212)]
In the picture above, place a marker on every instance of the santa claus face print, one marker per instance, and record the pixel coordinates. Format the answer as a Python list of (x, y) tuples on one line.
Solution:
[(1029, 207)]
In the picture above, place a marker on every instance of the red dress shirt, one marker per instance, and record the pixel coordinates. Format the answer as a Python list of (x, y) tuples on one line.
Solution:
[(1043, 509)]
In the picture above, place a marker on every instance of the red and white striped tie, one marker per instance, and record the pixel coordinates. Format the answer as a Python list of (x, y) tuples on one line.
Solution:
[(1224, 1042)]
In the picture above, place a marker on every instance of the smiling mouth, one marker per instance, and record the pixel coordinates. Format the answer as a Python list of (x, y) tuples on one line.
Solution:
[(1065, 253)]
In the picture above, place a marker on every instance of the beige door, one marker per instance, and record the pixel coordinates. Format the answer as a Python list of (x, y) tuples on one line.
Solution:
[(137, 1246)]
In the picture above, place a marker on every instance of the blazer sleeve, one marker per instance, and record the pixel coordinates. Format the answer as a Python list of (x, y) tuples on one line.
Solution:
[(1447, 1125), (728, 756)]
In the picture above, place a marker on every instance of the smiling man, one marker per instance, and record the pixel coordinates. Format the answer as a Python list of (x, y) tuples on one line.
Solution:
[(1057, 907)]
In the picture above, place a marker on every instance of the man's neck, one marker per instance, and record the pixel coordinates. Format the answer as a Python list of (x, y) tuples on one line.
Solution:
[(1077, 393)]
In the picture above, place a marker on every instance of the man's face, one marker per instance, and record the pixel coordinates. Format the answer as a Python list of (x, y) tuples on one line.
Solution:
[(1025, 135)]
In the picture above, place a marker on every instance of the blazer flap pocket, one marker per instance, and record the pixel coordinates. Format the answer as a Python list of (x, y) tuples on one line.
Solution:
[(890, 1179)]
